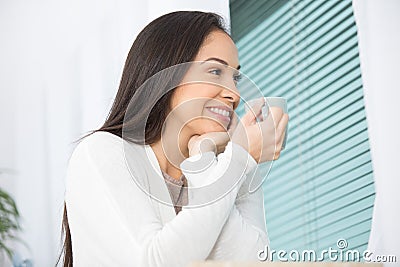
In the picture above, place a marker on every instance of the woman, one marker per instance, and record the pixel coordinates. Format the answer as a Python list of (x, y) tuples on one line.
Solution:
[(117, 212)]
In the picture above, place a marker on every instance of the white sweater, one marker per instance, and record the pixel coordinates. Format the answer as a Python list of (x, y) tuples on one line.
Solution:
[(120, 212)]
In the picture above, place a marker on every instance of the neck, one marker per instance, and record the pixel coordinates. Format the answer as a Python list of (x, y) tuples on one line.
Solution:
[(171, 150)]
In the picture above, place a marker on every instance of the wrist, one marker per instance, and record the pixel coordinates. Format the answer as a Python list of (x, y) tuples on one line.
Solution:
[(242, 156)]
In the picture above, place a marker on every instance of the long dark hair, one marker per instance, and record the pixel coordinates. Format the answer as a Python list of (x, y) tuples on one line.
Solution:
[(169, 40)]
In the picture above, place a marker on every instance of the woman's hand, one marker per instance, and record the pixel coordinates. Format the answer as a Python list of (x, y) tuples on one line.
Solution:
[(213, 141), (263, 140)]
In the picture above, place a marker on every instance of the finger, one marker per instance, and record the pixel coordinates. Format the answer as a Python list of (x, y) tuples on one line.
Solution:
[(280, 144), (254, 111), (218, 138), (192, 145), (221, 137), (221, 140), (192, 140), (281, 129), (214, 141), (268, 123), (260, 117), (213, 135), (276, 113)]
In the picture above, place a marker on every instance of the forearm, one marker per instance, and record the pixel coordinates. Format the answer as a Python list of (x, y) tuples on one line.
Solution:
[(244, 233)]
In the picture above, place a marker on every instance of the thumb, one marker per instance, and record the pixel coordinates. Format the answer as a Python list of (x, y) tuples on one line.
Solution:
[(254, 111), (192, 140)]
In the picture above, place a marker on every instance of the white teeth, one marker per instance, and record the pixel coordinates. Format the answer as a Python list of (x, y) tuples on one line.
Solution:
[(220, 111)]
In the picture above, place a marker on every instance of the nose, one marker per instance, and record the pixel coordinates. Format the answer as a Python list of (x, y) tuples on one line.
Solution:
[(232, 95)]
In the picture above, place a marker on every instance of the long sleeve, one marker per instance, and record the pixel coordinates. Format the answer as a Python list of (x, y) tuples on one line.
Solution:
[(244, 233), (247, 222), (113, 222)]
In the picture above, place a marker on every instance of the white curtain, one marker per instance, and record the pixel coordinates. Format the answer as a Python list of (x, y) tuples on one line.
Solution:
[(61, 62), (378, 25)]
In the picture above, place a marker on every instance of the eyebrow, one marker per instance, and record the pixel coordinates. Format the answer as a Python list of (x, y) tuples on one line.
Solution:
[(220, 61)]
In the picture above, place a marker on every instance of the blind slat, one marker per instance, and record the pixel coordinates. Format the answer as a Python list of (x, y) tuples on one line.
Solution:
[(343, 177), (341, 215), (324, 198), (321, 188)]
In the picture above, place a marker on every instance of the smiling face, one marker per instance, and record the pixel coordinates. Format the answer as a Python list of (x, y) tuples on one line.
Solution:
[(207, 98)]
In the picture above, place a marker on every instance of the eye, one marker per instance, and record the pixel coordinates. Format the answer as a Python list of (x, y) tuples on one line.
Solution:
[(237, 78), (215, 72)]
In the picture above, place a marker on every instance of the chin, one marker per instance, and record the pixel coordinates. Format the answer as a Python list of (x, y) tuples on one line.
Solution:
[(203, 126), (213, 127)]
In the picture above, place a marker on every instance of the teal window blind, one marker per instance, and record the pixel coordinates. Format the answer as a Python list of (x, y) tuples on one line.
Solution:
[(321, 189)]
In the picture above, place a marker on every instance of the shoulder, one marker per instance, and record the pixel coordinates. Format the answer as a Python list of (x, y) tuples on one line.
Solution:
[(104, 143), (103, 149), (106, 160), (100, 141)]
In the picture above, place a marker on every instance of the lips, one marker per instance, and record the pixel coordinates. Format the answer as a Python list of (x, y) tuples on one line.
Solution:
[(220, 113)]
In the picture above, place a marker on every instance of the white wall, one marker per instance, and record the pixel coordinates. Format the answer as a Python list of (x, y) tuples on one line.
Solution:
[(157, 8), (60, 67)]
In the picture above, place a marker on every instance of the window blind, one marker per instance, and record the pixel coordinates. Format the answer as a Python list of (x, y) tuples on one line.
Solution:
[(321, 189)]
